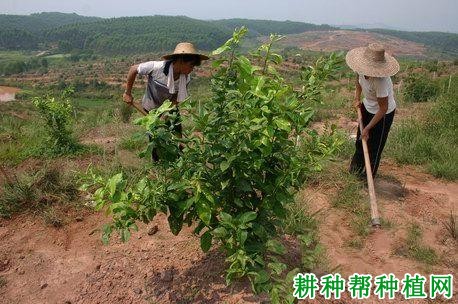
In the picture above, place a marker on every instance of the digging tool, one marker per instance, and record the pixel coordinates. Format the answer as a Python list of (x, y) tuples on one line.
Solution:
[(139, 108), (375, 218)]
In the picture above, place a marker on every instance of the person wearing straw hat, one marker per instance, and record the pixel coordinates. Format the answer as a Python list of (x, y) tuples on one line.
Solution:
[(166, 79), (374, 67)]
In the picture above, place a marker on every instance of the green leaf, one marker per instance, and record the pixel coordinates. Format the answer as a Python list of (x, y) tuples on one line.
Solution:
[(224, 165), (245, 65), (206, 241), (275, 247), (220, 232), (113, 183), (175, 224), (243, 235), (217, 63), (225, 217), (204, 212), (283, 124), (248, 217), (278, 268), (221, 49), (125, 235), (261, 277), (224, 184)]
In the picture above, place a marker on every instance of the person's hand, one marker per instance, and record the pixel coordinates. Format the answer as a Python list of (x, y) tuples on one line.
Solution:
[(127, 97), (365, 134), (356, 103)]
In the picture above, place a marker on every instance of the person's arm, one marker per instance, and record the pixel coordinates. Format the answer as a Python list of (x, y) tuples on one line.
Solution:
[(358, 89), (383, 107), (127, 96)]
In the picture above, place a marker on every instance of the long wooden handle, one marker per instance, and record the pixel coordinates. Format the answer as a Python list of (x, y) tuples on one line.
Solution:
[(375, 219), (138, 107)]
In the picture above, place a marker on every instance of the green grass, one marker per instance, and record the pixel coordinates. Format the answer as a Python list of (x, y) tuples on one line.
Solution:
[(135, 142), (301, 223), (415, 250), (349, 197), (432, 141)]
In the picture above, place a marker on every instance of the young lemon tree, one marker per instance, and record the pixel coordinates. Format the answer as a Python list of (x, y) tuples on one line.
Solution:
[(247, 153)]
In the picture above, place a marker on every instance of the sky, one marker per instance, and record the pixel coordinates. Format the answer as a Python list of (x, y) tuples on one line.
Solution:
[(419, 15)]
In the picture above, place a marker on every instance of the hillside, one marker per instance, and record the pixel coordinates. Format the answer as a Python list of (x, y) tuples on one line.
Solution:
[(25, 32), (265, 27), (443, 42), (135, 35), (343, 40)]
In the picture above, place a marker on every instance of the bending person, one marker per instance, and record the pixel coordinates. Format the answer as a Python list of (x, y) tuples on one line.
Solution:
[(374, 67)]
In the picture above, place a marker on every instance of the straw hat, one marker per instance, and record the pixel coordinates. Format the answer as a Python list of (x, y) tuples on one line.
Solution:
[(184, 48), (372, 61)]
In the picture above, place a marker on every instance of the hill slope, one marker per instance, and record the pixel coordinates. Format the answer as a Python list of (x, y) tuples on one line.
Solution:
[(130, 35)]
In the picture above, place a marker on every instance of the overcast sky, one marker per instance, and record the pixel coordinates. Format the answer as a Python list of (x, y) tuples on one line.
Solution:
[(440, 15)]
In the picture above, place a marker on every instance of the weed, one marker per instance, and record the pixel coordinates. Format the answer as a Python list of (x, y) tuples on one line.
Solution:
[(356, 243), (3, 281), (35, 192), (52, 217), (451, 226), (126, 112), (416, 250)]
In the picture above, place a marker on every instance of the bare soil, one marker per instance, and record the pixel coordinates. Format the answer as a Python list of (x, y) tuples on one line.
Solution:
[(345, 40), (42, 264)]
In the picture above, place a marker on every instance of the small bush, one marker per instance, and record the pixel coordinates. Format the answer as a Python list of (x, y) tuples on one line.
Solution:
[(419, 88), (58, 119)]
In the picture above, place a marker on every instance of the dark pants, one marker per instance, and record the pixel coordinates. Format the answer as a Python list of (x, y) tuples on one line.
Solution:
[(376, 142), (176, 128)]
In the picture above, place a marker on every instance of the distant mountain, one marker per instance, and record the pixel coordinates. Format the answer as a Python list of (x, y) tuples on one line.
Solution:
[(137, 34), (367, 26), (25, 32), (35, 23), (130, 35), (265, 27), (438, 41)]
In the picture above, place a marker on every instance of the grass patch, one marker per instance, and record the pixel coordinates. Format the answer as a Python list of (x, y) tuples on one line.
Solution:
[(36, 193), (431, 141), (356, 243), (299, 222), (413, 248), (350, 198), (135, 142)]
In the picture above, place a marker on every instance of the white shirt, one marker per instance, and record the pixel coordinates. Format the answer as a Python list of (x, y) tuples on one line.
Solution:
[(158, 77), (377, 87)]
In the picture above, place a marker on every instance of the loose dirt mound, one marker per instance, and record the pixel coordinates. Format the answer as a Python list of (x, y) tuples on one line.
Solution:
[(345, 40)]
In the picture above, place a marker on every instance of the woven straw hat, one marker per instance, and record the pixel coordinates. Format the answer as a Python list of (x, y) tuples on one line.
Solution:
[(184, 48), (372, 61)]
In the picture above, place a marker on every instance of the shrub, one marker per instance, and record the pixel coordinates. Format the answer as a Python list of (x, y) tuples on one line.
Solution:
[(235, 172), (419, 88), (58, 120)]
